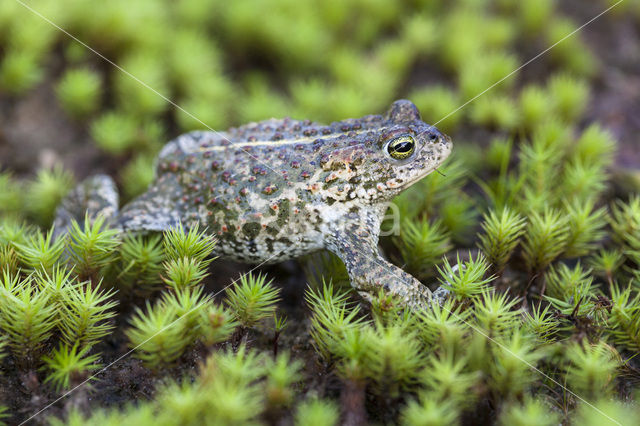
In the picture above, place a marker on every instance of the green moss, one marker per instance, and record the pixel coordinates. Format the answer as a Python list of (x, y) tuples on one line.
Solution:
[(140, 264), (45, 192), (420, 34), (437, 102), (79, 92), (591, 368), (86, 316), (20, 71), (533, 15), (157, 335), (534, 107), (91, 246), (483, 71), (545, 239), (501, 234), (422, 245), (115, 132), (137, 176), (69, 366), (41, 251), (141, 99), (530, 412), (428, 412), (27, 319), (253, 299), (569, 97), (11, 197), (263, 101), (569, 51), (493, 111), (465, 279), (317, 412)]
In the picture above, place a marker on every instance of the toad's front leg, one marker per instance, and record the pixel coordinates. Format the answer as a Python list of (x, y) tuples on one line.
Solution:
[(369, 272)]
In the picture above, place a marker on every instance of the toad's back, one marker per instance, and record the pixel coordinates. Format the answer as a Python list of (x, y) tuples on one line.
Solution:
[(265, 188)]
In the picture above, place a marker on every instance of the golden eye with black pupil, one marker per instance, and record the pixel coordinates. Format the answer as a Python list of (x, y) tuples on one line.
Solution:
[(401, 147)]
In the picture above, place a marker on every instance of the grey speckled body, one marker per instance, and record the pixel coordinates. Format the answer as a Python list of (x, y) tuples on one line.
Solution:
[(279, 189)]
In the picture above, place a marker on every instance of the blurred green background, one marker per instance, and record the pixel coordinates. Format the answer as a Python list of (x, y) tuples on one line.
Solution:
[(230, 62)]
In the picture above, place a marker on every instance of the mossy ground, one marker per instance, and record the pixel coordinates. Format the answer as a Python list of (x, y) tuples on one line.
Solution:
[(527, 145)]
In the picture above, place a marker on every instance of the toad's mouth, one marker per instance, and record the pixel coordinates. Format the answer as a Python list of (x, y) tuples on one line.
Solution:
[(434, 159)]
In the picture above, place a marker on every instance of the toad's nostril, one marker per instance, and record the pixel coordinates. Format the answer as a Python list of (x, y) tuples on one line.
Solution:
[(434, 135)]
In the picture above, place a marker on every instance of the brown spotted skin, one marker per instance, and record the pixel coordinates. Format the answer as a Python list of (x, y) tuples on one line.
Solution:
[(282, 188)]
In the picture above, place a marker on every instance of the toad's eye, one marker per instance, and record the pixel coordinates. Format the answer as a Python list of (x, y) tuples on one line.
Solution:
[(401, 147)]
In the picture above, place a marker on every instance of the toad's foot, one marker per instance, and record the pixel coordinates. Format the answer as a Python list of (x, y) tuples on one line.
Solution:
[(95, 196), (370, 273)]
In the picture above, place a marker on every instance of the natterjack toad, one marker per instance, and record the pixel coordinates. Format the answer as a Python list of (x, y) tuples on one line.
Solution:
[(278, 189)]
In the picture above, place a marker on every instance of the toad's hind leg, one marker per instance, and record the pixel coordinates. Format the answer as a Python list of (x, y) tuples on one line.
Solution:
[(156, 210), (95, 196)]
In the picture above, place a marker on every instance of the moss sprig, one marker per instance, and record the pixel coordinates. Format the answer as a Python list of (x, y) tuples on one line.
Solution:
[(545, 239), (216, 324), (192, 243), (317, 412), (448, 380), (28, 320), (188, 304), (625, 223), (561, 280), (184, 273), (4, 414), (569, 95), (45, 192), (422, 244), (14, 231), (115, 132), (586, 227), (429, 411), (495, 312), (624, 321), (92, 246), (20, 71), (136, 99), (605, 263), (252, 299), (58, 284), (86, 315), (79, 92), (9, 262), (393, 358), (583, 183), (137, 175), (510, 373), (467, 278), (530, 412), (542, 323), (41, 251), (445, 328), (592, 368), (68, 366), (534, 107), (332, 317), (501, 235), (11, 196), (140, 265), (282, 373), (596, 146), (157, 335)]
